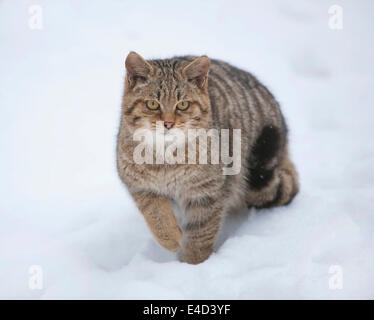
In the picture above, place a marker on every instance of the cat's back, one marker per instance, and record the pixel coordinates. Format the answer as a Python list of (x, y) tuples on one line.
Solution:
[(239, 99)]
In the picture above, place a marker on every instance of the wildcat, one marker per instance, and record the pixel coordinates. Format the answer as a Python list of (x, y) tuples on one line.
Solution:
[(196, 92)]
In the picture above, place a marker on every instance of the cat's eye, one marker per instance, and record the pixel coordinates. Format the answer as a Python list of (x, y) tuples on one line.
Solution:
[(183, 105), (152, 104)]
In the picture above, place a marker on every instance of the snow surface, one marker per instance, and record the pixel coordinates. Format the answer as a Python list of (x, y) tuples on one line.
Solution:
[(62, 206)]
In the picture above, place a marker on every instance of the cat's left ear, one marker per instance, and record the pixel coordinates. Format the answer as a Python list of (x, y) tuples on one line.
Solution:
[(197, 71)]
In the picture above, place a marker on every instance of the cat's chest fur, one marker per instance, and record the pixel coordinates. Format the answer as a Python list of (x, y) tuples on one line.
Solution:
[(164, 179)]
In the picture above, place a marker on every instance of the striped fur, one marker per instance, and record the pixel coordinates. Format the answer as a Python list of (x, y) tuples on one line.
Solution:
[(226, 98)]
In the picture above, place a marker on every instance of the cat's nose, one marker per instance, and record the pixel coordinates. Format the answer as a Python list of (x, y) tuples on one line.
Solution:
[(168, 124)]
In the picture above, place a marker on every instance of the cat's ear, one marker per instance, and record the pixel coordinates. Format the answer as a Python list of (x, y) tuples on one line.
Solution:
[(136, 67), (197, 71)]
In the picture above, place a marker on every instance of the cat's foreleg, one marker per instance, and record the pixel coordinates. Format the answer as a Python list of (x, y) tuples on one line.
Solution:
[(160, 219), (204, 218)]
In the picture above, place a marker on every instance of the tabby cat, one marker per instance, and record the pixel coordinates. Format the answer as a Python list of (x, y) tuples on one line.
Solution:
[(196, 92)]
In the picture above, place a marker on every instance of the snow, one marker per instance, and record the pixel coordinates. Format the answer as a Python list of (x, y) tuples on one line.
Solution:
[(63, 208)]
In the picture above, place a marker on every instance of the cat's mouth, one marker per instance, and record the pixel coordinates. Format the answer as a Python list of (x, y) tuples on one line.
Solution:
[(161, 129), (173, 135)]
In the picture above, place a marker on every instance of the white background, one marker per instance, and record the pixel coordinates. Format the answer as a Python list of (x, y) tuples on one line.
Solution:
[(62, 206)]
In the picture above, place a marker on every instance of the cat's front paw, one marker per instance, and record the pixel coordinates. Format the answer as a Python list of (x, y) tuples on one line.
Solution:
[(172, 242), (170, 245), (194, 255)]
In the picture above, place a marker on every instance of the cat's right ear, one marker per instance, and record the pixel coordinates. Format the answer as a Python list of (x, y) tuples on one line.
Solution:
[(136, 67)]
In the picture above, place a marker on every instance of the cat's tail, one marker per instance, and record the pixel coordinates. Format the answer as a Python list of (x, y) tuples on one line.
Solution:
[(272, 177)]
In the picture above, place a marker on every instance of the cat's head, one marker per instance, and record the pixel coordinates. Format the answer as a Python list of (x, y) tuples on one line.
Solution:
[(173, 91)]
